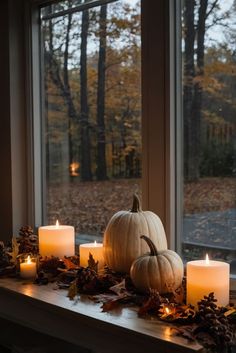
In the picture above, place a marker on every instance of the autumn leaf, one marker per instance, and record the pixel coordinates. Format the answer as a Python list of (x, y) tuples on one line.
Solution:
[(73, 290), (92, 263), (69, 264), (119, 288)]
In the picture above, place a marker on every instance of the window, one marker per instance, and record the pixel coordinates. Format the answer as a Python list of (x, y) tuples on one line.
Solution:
[(208, 181), (205, 220), (91, 111)]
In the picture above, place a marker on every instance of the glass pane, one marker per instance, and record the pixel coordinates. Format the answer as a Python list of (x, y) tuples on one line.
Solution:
[(61, 6), (91, 113), (209, 144)]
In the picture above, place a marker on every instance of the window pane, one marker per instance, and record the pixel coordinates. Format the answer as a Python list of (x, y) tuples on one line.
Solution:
[(209, 144), (91, 112)]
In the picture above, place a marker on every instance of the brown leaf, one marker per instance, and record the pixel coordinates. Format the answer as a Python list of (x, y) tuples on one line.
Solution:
[(73, 290), (92, 263), (114, 303), (69, 264), (119, 288), (110, 305), (185, 331)]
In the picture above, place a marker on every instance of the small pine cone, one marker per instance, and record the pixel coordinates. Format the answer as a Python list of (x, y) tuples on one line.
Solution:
[(26, 231), (87, 280), (51, 265)]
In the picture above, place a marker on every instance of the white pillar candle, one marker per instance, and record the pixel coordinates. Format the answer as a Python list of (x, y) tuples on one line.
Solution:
[(206, 276), (28, 268), (58, 240), (96, 249)]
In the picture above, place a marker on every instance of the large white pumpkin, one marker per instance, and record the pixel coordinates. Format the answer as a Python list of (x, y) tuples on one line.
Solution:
[(122, 243)]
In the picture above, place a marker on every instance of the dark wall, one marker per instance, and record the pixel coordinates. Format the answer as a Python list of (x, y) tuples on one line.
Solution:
[(13, 161), (5, 131)]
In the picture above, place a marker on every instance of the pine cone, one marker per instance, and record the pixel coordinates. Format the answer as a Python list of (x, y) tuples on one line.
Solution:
[(26, 231), (51, 265), (4, 257), (28, 242), (87, 280), (213, 321)]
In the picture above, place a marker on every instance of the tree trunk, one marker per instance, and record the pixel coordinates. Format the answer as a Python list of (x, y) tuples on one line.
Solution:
[(62, 81), (101, 171), (85, 169), (67, 91), (189, 73), (197, 98)]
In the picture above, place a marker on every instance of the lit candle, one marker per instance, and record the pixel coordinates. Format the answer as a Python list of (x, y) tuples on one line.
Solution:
[(95, 249), (58, 240), (28, 268), (206, 276)]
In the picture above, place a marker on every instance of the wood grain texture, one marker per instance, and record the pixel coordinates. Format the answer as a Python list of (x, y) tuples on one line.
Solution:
[(82, 323)]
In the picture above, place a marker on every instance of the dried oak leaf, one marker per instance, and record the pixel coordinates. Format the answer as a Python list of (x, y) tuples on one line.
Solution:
[(120, 288), (70, 265), (92, 263), (114, 303), (73, 290), (185, 331), (152, 303)]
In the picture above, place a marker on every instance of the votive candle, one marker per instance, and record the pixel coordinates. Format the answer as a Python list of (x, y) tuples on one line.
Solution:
[(28, 268)]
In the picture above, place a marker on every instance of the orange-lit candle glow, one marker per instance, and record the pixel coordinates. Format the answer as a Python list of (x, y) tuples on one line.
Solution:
[(167, 310), (57, 240), (206, 276), (28, 268), (96, 249)]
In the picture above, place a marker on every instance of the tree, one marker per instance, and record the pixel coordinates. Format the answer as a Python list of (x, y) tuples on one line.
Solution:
[(57, 67), (101, 171), (198, 17), (86, 173)]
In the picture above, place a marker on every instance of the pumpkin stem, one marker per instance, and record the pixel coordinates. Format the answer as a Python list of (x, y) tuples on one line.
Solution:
[(136, 207), (152, 246)]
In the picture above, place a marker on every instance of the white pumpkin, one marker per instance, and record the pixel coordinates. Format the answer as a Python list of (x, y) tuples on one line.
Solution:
[(160, 270), (122, 243)]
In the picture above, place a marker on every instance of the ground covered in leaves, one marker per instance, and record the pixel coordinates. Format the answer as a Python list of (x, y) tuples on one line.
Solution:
[(89, 205)]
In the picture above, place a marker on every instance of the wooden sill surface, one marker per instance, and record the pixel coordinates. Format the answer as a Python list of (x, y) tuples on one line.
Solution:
[(82, 323)]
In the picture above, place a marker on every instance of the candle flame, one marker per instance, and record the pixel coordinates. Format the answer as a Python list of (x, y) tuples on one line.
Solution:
[(95, 243), (57, 224), (28, 260), (207, 260), (167, 310)]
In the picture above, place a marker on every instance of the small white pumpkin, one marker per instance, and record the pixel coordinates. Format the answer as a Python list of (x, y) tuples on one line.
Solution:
[(160, 270), (122, 243)]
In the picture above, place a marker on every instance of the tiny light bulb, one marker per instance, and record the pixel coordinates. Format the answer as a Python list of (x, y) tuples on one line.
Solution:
[(57, 224), (207, 260)]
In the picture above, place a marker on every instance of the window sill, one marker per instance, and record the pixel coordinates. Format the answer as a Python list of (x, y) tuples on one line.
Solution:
[(50, 312)]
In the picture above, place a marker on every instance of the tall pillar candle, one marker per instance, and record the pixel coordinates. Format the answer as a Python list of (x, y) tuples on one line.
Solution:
[(57, 240), (206, 276)]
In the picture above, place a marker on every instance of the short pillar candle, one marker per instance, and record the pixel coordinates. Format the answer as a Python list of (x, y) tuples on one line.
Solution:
[(206, 276), (95, 249), (57, 240)]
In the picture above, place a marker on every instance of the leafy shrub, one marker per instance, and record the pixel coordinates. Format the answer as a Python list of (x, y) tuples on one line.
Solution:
[(218, 159)]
